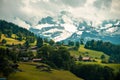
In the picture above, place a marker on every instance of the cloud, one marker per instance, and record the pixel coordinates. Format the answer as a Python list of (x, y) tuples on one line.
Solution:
[(103, 4), (115, 9), (8, 7), (33, 10), (74, 3), (21, 23)]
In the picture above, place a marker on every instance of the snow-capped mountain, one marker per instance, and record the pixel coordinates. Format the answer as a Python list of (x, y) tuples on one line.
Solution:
[(66, 27)]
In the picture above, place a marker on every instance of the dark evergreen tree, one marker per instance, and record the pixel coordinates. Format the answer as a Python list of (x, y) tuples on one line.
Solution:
[(81, 41), (46, 40), (80, 58), (102, 56), (9, 33), (0, 34), (77, 44), (51, 42), (31, 39), (39, 42), (71, 43), (58, 43), (4, 41), (27, 44)]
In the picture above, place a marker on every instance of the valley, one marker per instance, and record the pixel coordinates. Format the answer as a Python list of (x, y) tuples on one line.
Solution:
[(25, 55), (59, 39)]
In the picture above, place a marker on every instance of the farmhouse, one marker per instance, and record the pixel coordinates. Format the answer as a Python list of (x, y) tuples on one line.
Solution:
[(86, 59), (37, 59)]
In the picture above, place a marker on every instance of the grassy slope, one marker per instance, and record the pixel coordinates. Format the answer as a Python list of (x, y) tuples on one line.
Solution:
[(31, 73), (84, 52), (115, 67), (11, 40)]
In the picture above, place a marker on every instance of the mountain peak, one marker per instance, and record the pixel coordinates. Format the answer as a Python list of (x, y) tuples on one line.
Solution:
[(65, 26)]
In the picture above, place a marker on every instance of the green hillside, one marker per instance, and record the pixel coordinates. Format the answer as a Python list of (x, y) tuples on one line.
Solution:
[(14, 34), (11, 40), (54, 55), (87, 52), (31, 73), (114, 66)]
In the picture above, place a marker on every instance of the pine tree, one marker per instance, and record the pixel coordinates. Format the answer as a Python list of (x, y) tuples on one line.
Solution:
[(39, 42), (4, 41), (0, 34), (27, 44), (51, 42)]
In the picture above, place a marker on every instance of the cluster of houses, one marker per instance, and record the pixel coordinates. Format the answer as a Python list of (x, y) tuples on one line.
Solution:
[(34, 59), (85, 59)]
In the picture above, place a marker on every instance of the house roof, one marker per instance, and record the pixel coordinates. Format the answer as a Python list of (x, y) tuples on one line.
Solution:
[(86, 58), (37, 59)]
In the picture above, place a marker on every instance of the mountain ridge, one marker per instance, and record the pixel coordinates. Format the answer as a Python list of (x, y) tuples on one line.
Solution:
[(64, 26)]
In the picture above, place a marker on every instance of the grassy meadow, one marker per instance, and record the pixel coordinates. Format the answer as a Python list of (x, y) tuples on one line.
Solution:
[(11, 40), (30, 72), (114, 66), (87, 52)]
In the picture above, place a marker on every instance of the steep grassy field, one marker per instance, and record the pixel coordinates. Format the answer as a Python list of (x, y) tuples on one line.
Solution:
[(87, 52), (91, 53), (115, 67), (11, 40), (31, 73)]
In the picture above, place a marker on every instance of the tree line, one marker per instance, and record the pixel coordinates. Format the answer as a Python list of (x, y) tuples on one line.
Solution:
[(7, 62), (108, 48), (95, 72)]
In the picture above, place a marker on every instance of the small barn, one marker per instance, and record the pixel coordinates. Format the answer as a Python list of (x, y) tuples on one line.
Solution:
[(37, 59), (86, 59)]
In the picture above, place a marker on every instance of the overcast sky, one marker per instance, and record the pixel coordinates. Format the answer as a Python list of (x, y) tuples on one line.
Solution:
[(33, 10)]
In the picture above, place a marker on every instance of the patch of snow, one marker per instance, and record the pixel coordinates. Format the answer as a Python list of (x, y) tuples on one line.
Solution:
[(108, 25), (64, 35), (88, 31), (69, 27), (117, 23), (83, 27), (113, 29), (67, 19), (80, 32), (52, 30), (43, 26)]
